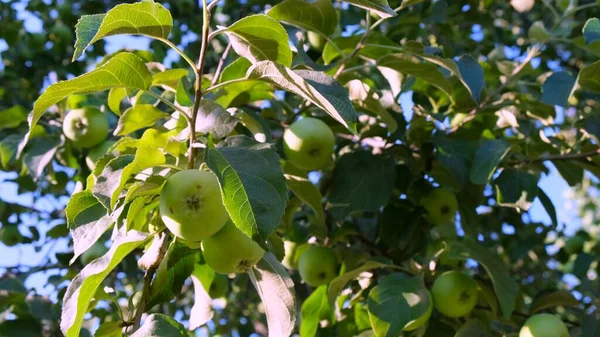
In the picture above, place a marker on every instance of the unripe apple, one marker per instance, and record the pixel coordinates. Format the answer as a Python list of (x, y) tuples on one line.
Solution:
[(218, 286), (544, 325), (455, 294), (441, 206), (317, 266), (309, 144), (231, 251), (191, 205), (95, 251), (97, 153), (86, 127)]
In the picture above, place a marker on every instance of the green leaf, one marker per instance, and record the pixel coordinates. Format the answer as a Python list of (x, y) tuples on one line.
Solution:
[(236, 69), (145, 18), (507, 289), (516, 188), (538, 33), (40, 153), (487, 158), (109, 329), (159, 325), (319, 16), (396, 301), (260, 38), (123, 70), (312, 310), (303, 188), (115, 96), (589, 77), (276, 289), (337, 284), (255, 195), (174, 269), (408, 3), (558, 88), (12, 117), (316, 87), (361, 182), (110, 178), (591, 31), (169, 78), (87, 220), (375, 47), (202, 310), (471, 74), (381, 7), (558, 298), (548, 205), (410, 65), (212, 118), (254, 122), (139, 117), (83, 287), (591, 324)]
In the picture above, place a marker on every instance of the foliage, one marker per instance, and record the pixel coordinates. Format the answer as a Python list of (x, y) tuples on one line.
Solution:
[(502, 93)]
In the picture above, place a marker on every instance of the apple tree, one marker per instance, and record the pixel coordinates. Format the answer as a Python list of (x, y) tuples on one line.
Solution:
[(301, 167)]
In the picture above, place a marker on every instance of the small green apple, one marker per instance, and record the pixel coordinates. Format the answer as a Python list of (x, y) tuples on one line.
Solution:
[(455, 294), (441, 206), (423, 319), (544, 325), (231, 251), (309, 144), (316, 40), (86, 127), (97, 153), (317, 265), (191, 205), (95, 251), (218, 286)]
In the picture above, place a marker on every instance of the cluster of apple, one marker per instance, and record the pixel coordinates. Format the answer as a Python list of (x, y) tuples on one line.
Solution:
[(455, 294)]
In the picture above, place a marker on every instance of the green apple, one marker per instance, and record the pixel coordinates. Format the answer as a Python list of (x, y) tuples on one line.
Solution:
[(86, 127), (423, 319), (309, 144), (316, 40), (544, 325), (218, 286), (441, 206), (574, 245), (317, 265), (293, 251), (10, 235), (95, 251), (191, 205), (231, 251), (455, 294), (97, 153)]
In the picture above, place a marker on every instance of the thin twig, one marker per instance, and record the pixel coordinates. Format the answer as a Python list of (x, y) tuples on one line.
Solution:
[(198, 85), (221, 64), (360, 44), (179, 51), (561, 157)]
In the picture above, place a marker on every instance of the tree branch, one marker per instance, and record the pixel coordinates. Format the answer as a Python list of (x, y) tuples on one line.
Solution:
[(221, 64), (199, 70), (560, 157)]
